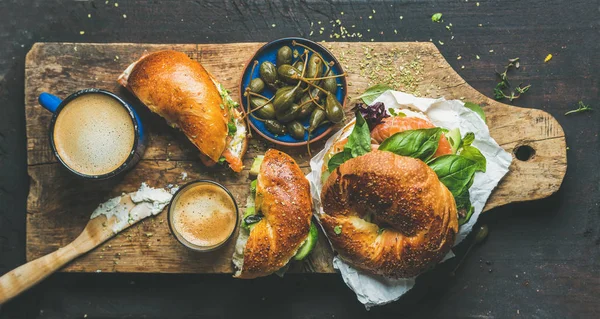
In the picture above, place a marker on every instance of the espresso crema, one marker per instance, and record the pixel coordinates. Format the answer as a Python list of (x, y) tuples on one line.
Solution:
[(203, 214), (94, 134)]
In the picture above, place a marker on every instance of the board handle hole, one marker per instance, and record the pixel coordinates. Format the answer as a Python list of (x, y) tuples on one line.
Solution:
[(524, 153)]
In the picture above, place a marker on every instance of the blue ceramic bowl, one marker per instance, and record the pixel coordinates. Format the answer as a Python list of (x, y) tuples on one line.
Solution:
[(268, 53)]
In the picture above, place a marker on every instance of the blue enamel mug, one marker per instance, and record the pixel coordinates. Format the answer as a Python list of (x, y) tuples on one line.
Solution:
[(94, 133)]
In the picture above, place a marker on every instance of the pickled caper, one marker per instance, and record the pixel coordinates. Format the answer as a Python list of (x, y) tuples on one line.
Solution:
[(288, 115), (314, 92), (333, 108), (257, 101), (306, 107), (316, 118), (314, 68), (275, 127), (329, 84), (266, 112), (268, 72), (284, 55), (299, 65), (296, 130), (263, 108), (256, 85), (284, 98), (285, 73)]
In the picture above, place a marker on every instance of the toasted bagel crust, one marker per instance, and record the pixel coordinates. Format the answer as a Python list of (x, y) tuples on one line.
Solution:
[(413, 218), (283, 197), (180, 90)]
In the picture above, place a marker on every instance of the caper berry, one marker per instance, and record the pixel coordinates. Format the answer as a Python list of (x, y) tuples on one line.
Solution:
[(256, 85), (316, 118), (284, 55), (275, 127), (296, 130), (333, 108), (286, 72), (268, 72), (288, 115)]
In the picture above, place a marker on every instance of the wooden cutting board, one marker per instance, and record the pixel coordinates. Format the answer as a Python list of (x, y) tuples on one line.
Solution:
[(59, 205)]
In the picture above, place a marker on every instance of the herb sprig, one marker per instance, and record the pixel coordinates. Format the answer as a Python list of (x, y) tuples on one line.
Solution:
[(580, 108), (503, 88)]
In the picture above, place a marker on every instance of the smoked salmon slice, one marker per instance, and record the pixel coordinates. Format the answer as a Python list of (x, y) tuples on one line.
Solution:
[(394, 124)]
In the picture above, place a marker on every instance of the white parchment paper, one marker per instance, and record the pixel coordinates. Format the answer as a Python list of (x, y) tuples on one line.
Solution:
[(372, 290)]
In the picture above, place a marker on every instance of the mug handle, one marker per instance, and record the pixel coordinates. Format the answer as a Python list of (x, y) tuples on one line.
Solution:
[(49, 101)]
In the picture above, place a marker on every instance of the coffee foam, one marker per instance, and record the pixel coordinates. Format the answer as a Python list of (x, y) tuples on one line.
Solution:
[(94, 134), (204, 215)]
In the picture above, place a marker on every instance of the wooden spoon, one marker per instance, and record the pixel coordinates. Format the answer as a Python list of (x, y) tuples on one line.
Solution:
[(97, 231)]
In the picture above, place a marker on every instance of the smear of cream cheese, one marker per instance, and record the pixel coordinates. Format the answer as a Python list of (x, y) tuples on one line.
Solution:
[(148, 201), (240, 244)]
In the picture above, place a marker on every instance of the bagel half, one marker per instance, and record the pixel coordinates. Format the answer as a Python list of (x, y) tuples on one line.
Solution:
[(180, 90), (388, 214), (283, 197)]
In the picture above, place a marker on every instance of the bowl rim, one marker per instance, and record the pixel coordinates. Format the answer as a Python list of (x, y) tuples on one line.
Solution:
[(241, 96)]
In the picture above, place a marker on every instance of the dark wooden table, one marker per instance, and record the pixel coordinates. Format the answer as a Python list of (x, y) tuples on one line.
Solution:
[(541, 259)]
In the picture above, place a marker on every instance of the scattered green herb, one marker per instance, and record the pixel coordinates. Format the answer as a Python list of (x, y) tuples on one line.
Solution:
[(437, 17), (372, 93), (503, 88), (421, 143), (231, 127), (222, 160), (337, 229), (580, 108), (394, 112)]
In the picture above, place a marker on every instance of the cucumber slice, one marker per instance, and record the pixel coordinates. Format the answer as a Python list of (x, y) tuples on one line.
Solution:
[(455, 139), (255, 169), (309, 244), (253, 187)]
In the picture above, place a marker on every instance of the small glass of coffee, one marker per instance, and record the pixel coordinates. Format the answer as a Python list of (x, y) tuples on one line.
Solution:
[(203, 215), (94, 133)]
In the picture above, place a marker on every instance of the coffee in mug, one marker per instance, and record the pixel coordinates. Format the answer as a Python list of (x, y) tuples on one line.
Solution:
[(94, 133)]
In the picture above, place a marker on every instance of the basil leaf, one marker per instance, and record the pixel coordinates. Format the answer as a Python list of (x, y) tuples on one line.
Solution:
[(475, 155), (463, 204), (421, 143), (359, 141), (468, 139), (454, 171), (477, 109), (372, 93), (338, 159)]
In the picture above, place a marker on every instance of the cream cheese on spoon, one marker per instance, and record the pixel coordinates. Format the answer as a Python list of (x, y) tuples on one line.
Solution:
[(148, 201)]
